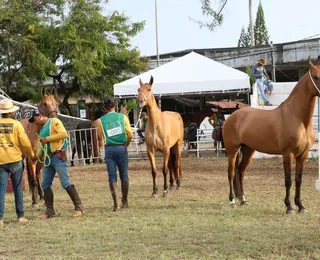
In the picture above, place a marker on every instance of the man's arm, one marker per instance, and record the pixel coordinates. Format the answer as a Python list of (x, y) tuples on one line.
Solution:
[(128, 130), (265, 73), (60, 131), (24, 140)]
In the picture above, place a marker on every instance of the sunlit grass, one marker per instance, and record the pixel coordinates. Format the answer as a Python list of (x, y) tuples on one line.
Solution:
[(194, 222)]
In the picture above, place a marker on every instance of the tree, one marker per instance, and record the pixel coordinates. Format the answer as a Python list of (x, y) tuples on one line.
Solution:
[(217, 16), (82, 50), (20, 58), (261, 35), (244, 40)]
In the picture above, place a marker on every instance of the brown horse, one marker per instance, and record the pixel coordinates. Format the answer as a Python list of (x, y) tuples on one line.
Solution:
[(47, 106), (164, 132), (286, 130)]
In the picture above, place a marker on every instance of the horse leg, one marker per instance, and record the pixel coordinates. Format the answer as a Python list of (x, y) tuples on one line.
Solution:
[(287, 164), (31, 169), (39, 179), (152, 159), (165, 169), (176, 151), (232, 156), (171, 172), (247, 154), (300, 162), (73, 153)]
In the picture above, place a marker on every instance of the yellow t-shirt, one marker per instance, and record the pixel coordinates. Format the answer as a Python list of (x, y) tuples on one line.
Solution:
[(12, 137)]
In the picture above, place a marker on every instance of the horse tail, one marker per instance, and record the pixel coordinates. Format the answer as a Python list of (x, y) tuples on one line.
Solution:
[(238, 175)]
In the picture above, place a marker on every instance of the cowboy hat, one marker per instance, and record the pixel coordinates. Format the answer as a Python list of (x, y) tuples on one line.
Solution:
[(6, 106), (262, 61)]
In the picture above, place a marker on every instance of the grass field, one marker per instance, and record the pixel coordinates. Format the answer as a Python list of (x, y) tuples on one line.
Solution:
[(194, 222)]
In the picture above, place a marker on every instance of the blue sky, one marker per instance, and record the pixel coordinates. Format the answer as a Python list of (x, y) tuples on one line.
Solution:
[(286, 20)]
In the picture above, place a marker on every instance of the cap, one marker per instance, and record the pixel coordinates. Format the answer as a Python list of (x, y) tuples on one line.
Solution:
[(143, 114), (108, 102), (35, 112)]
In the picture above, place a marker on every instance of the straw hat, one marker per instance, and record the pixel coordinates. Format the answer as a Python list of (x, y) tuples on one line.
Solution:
[(263, 62), (6, 106)]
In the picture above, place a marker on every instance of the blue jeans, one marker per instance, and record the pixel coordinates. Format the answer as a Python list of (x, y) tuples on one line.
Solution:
[(140, 131), (269, 87), (116, 156), (16, 170), (49, 172)]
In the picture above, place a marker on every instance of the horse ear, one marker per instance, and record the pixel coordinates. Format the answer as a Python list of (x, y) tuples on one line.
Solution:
[(53, 91), (43, 91), (140, 82), (310, 63), (151, 81)]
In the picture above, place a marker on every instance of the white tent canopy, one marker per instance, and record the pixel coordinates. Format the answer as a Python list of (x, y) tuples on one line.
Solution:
[(187, 75)]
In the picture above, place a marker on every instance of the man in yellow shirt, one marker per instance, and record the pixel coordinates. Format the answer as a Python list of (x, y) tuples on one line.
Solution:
[(117, 133), (12, 135), (53, 137)]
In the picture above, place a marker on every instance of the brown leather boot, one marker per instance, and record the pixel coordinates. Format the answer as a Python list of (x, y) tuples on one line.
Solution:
[(48, 197), (113, 189), (125, 190), (78, 207)]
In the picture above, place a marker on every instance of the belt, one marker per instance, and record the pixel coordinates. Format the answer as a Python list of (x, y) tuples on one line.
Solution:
[(116, 145), (55, 153)]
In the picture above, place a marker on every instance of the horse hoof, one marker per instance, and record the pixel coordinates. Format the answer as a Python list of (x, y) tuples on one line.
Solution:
[(232, 205), (164, 194), (171, 187), (302, 211), (35, 206), (178, 187), (243, 203), (290, 212), (154, 195)]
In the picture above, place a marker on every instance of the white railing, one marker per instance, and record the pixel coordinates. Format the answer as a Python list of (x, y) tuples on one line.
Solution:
[(81, 143)]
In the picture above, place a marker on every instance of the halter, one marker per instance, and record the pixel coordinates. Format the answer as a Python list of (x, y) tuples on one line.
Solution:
[(314, 84), (41, 110), (145, 98)]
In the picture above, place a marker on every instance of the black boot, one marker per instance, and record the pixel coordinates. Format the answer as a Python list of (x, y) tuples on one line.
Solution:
[(78, 207), (125, 190), (113, 189), (48, 197)]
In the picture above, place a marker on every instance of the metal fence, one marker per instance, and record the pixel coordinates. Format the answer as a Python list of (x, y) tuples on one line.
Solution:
[(83, 143)]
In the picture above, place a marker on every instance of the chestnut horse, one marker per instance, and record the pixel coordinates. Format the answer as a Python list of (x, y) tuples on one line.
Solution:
[(286, 130), (164, 132), (47, 106)]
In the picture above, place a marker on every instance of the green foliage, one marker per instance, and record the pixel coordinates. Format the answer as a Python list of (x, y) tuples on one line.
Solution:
[(130, 105), (244, 40), (261, 35), (76, 43), (216, 17), (249, 72)]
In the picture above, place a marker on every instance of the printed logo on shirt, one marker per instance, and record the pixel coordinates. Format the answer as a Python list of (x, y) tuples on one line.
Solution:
[(114, 131), (6, 128)]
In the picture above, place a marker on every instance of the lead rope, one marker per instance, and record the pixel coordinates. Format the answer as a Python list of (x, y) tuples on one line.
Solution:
[(44, 149)]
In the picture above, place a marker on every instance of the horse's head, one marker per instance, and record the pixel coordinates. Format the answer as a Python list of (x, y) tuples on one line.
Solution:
[(48, 104), (314, 74), (124, 111), (144, 92)]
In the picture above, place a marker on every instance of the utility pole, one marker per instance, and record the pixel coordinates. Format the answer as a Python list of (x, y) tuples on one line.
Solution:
[(251, 24), (157, 40), (273, 62)]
